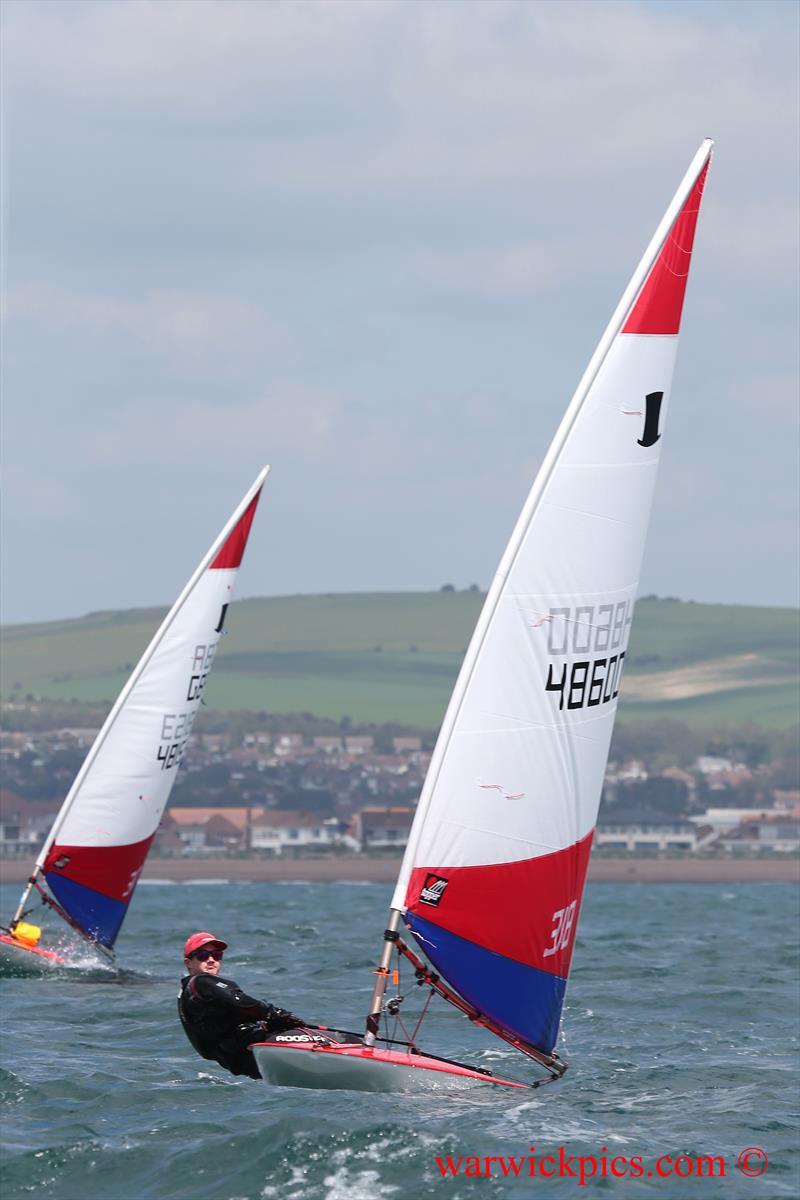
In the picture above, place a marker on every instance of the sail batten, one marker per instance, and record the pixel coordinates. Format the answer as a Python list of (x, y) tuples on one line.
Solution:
[(493, 875)]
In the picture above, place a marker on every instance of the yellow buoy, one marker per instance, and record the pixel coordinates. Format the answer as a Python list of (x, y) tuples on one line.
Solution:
[(27, 934)]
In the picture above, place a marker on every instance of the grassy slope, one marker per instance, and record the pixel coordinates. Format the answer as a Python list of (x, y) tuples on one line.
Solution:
[(352, 655)]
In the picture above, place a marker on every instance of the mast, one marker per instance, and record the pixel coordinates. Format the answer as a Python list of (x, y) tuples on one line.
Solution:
[(382, 976), (119, 704)]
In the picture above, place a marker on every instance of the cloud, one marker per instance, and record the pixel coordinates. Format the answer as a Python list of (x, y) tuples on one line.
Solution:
[(192, 334), (376, 243)]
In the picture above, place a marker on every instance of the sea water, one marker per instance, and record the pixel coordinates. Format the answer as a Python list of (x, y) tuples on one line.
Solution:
[(680, 1027)]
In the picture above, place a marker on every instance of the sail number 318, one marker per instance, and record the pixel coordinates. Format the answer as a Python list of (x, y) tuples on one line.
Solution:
[(561, 932)]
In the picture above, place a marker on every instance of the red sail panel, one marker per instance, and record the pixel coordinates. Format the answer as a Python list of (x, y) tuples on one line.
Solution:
[(526, 910), (110, 870), (231, 552), (659, 305)]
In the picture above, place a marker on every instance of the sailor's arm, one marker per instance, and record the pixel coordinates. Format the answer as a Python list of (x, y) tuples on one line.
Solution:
[(227, 994)]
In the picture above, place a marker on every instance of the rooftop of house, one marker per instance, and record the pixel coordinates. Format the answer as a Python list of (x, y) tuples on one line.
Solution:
[(377, 818), (239, 817), (12, 805), (617, 816), (284, 818)]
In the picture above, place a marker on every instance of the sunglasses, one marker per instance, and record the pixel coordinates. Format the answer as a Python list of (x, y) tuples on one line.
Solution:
[(204, 955)]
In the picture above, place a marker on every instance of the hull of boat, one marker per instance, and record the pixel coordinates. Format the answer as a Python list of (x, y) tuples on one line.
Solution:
[(364, 1069), (18, 959)]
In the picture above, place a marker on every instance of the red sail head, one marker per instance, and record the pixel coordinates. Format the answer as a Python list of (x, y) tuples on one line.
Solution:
[(231, 552), (659, 305)]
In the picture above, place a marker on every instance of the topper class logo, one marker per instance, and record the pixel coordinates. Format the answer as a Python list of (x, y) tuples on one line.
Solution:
[(433, 890)]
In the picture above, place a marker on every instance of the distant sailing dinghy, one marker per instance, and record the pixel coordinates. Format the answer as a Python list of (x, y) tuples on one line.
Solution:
[(493, 876), (91, 861)]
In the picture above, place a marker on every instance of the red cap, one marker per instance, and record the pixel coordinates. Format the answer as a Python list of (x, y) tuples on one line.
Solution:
[(202, 939)]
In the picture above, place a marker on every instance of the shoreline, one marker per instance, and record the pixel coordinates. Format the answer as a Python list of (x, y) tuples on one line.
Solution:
[(384, 870)]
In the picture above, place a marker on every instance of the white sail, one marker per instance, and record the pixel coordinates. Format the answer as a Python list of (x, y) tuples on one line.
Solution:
[(492, 879), (96, 849)]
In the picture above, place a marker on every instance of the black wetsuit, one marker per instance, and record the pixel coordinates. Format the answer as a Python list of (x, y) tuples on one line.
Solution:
[(221, 1021)]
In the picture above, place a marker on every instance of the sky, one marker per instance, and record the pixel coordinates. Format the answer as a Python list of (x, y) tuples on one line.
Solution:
[(375, 244)]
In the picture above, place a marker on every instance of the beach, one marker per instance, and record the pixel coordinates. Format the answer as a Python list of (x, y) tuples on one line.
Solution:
[(374, 869)]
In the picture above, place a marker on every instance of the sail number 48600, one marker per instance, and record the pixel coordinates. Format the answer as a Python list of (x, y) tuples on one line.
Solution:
[(587, 683), (561, 932)]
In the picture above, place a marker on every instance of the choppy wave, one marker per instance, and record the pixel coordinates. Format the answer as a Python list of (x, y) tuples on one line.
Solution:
[(679, 1026)]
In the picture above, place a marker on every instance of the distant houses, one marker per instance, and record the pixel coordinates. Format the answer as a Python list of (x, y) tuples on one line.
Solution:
[(204, 830), (359, 745), (284, 794), (274, 832), (24, 825), (289, 833), (328, 745), (383, 828), (637, 833), (778, 832)]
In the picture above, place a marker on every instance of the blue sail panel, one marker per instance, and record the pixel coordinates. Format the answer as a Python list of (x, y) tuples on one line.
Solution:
[(519, 998), (98, 916)]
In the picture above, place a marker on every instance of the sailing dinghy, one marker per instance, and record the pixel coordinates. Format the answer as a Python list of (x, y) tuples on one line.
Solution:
[(90, 863), (491, 883)]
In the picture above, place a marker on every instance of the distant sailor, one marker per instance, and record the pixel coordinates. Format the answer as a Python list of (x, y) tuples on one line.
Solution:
[(219, 1019)]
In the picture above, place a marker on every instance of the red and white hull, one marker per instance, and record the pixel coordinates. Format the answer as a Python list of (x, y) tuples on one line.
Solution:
[(19, 959), (354, 1067)]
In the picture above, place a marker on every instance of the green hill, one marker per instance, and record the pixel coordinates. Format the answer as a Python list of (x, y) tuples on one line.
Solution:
[(394, 658)]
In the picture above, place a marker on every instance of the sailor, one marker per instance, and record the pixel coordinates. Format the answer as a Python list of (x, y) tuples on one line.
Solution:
[(219, 1019)]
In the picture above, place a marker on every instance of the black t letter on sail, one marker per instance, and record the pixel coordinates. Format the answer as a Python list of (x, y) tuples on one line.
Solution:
[(652, 413), (221, 619)]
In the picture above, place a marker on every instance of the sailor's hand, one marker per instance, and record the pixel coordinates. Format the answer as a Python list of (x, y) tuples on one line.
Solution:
[(281, 1018)]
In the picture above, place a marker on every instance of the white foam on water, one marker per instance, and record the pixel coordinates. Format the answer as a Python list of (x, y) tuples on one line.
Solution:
[(296, 1188), (362, 1185), (222, 1080)]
